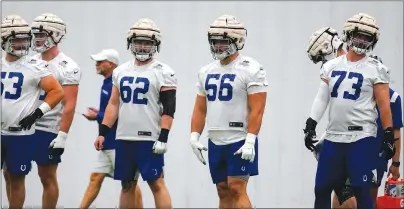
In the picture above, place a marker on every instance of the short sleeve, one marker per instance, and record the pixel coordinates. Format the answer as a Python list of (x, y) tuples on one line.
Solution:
[(396, 111), (323, 73), (115, 75), (382, 74), (71, 76), (41, 70), (167, 77), (199, 86), (257, 81)]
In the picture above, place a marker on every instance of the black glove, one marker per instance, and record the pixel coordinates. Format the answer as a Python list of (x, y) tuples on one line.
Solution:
[(388, 148), (310, 134), (28, 121)]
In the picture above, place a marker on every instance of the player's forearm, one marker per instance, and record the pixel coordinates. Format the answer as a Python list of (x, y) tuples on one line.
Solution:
[(198, 121), (67, 115), (397, 135), (255, 120), (166, 122), (53, 97), (385, 115), (110, 115)]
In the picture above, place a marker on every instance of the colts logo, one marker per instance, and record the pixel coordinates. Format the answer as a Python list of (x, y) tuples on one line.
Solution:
[(243, 168), (23, 167), (50, 157)]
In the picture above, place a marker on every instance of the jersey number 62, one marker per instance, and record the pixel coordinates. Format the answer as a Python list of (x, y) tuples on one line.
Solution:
[(126, 91)]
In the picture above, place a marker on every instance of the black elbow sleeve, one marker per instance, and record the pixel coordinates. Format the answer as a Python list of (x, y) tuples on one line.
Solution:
[(168, 99)]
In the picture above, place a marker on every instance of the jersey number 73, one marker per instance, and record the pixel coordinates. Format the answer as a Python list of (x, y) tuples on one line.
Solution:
[(356, 86), (17, 85), (126, 91), (225, 83)]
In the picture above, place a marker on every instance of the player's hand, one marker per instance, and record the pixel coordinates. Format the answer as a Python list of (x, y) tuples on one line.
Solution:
[(91, 113), (197, 147), (57, 146), (388, 148), (28, 121), (310, 134), (99, 143), (159, 147), (247, 151), (394, 171)]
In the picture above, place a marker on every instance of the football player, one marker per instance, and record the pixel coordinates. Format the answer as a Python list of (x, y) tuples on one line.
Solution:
[(231, 96), (22, 79), (106, 61), (319, 49), (353, 84), (144, 100)]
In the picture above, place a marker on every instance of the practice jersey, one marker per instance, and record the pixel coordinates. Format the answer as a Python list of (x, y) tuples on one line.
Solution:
[(352, 106), (140, 109), (67, 72), (226, 90), (19, 92)]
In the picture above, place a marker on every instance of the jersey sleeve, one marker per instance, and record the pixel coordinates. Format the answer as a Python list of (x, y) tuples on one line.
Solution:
[(397, 112), (323, 73), (199, 85), (115, 75), (167, 77), (71, 76), (382, 74), (41, 70), (257, 81)]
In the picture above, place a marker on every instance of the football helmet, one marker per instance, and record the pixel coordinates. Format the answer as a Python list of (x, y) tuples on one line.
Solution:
[(15, 35), (48, 30), (323, 45), (361, 33), (144, 39), (226, 36)]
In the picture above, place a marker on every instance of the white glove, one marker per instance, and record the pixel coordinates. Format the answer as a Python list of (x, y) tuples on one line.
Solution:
[(197, 147), (159, 147), (247, 151), (58, 144)]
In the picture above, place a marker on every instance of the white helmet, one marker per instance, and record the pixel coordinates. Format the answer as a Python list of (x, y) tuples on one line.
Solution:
[(230, 32), (323, 45), (15, 35), (361, 24), (48, 30), (144, 30)]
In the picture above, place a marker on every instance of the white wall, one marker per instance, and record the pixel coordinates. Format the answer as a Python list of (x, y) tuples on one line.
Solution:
[(277, 36)]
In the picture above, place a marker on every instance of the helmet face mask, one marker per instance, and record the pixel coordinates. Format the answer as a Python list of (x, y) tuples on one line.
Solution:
[(221, 47), (41, 41), (18, 45), (143, 48), (360, 42)]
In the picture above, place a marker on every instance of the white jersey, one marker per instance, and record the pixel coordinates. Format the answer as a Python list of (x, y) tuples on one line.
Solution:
[(67, 72), (140, 108), (226, 89), (19, 92), (352, 110)]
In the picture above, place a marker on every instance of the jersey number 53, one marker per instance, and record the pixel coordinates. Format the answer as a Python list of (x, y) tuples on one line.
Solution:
[(17, 85), (126, 91), (225, 83)]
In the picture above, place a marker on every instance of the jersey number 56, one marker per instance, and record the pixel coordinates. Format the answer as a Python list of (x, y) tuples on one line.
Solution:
[(126, 91), (225, 83)]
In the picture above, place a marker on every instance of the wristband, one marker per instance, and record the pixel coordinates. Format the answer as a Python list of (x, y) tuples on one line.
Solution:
[(195, 136), (103, 130), (395, 164), (62, 135), (163, 137), (44, 107)]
